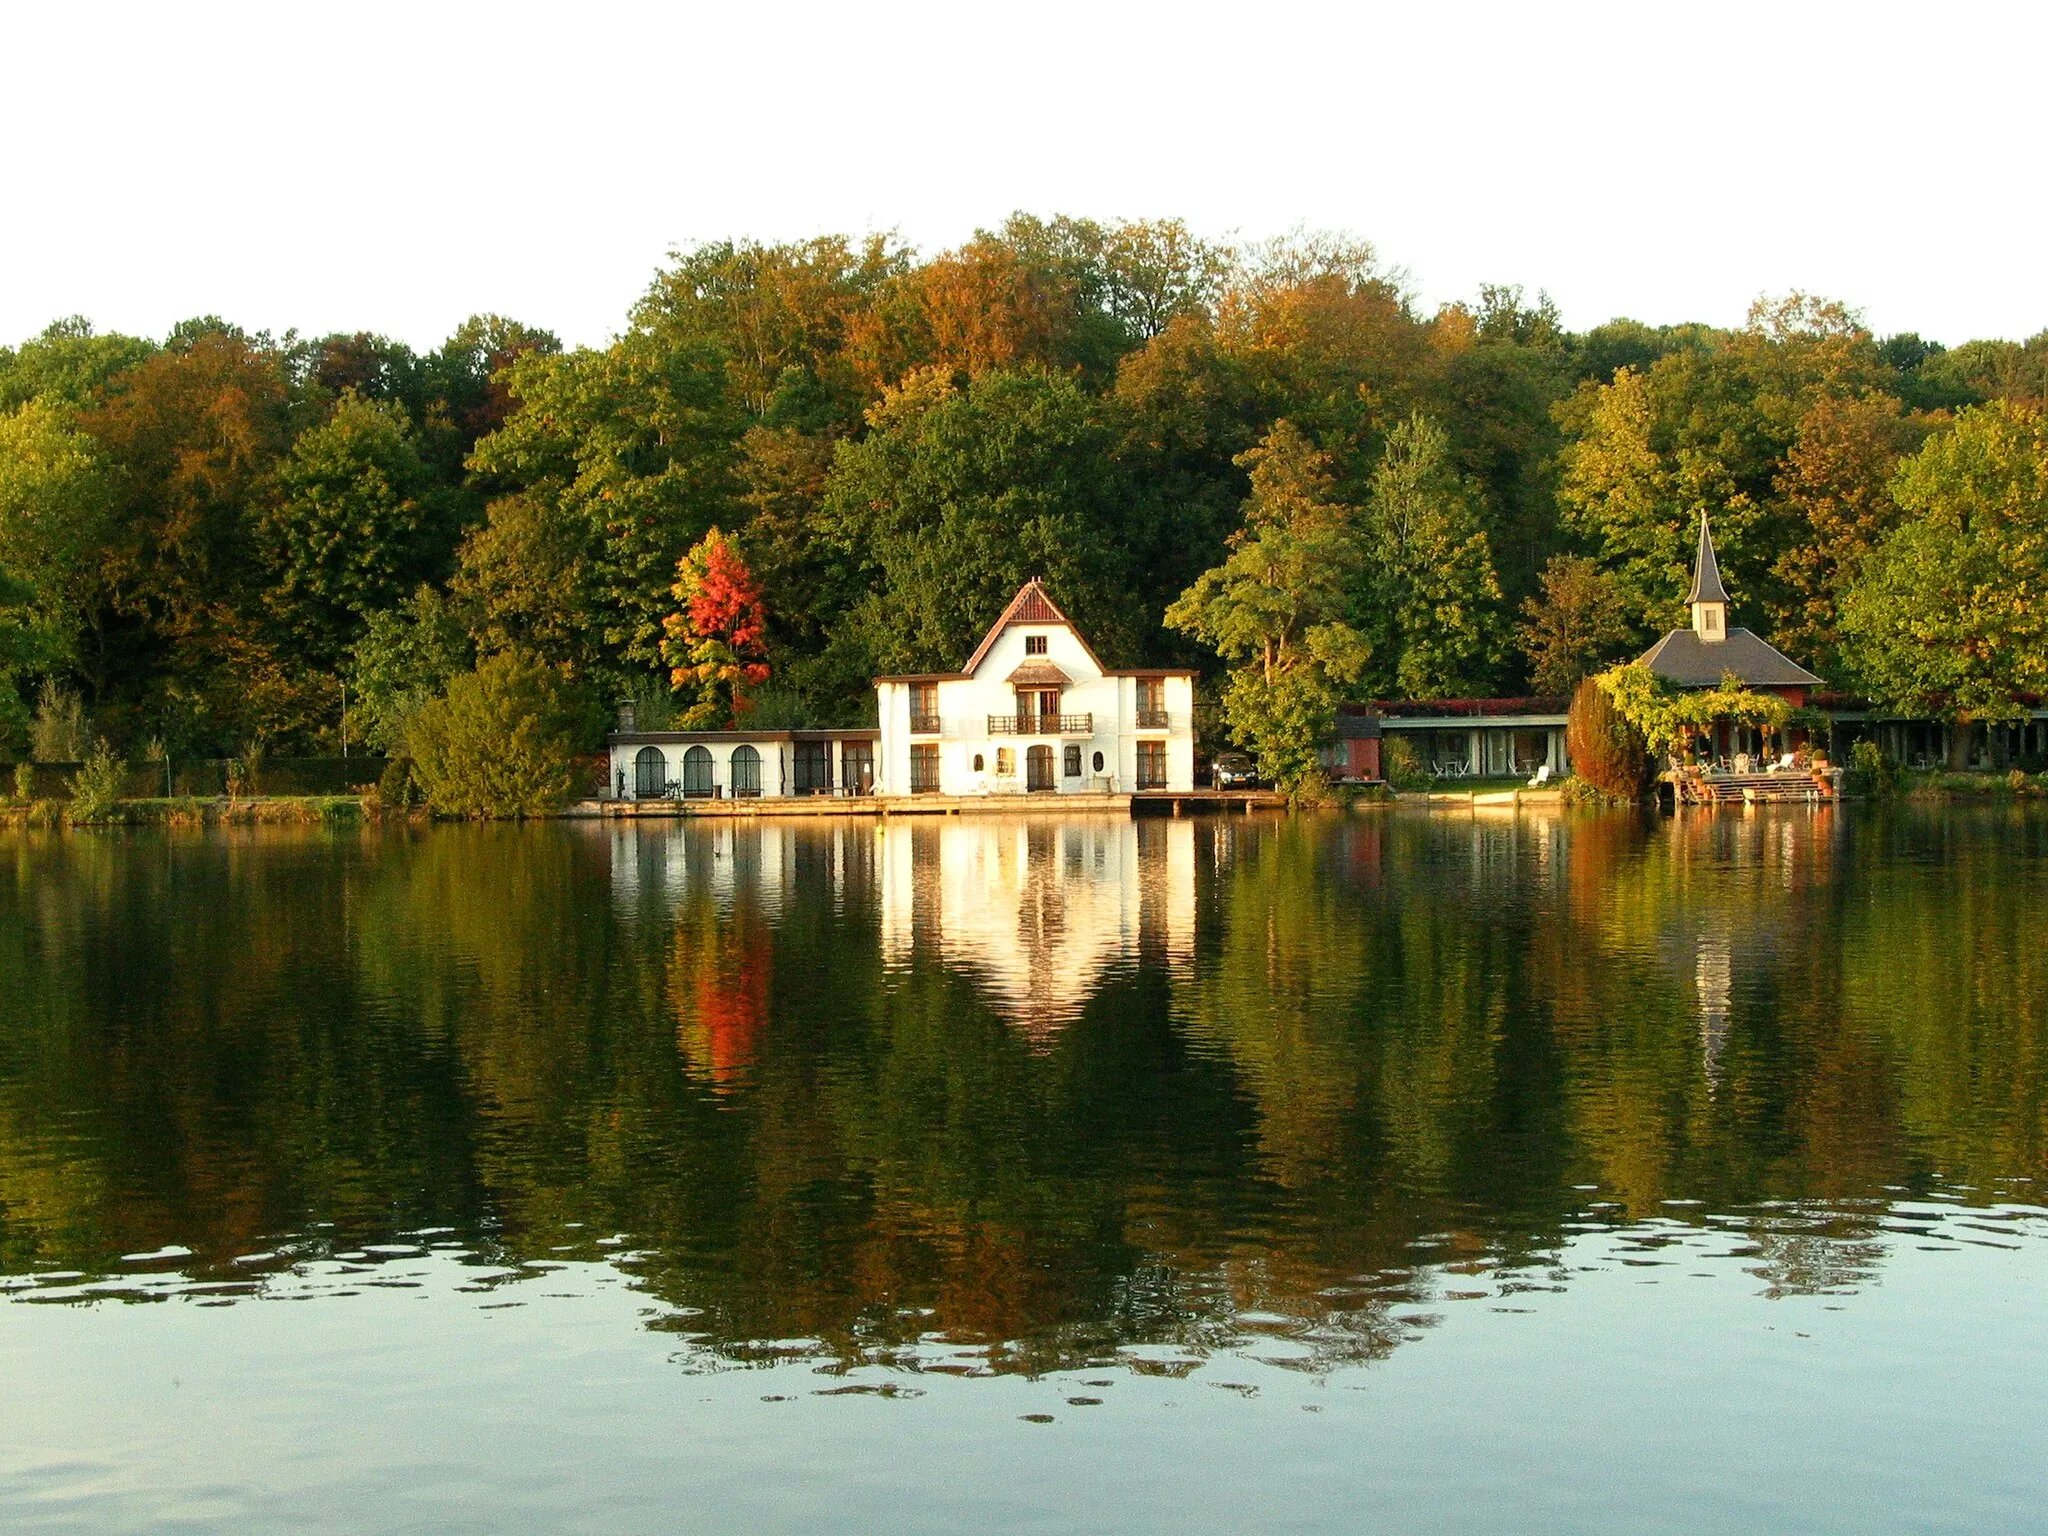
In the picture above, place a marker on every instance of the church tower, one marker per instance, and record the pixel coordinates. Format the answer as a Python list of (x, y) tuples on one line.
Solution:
[(1709, 598)]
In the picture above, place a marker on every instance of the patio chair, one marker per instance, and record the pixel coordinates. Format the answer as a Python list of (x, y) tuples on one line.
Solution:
[(1540, 778)]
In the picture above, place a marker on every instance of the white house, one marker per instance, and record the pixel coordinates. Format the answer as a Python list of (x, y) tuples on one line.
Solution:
[(1034, 711)]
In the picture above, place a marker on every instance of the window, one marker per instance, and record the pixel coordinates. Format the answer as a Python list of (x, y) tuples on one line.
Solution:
[(697, 773), (650, 774), (1072, 766), (1006, 762), (746, 771), (1034, 645), (1151, 765), (924, 709), (924, 769), (978, 760), (1098, 762), (1151, 704), (813, 767)]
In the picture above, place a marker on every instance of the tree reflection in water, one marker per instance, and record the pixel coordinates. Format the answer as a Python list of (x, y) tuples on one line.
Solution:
[(994, 1094)]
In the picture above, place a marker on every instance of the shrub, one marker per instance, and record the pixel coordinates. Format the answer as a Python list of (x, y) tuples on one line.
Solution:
[(398, 786), (1605, 749), (59, 733), (500, 742), (96, 786), (1400, 765), (24, 781), (1876, 773)]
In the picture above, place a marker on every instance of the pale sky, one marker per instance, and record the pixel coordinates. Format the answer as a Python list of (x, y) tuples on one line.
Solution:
[(396, 167)]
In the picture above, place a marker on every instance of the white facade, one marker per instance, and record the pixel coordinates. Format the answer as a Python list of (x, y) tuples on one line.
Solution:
[(739, 765), (1035, 711)]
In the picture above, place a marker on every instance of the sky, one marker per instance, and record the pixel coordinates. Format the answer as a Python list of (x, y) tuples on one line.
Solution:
[(397, 167)]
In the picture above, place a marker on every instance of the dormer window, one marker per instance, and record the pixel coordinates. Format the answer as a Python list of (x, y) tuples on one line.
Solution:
[(1034, 645)]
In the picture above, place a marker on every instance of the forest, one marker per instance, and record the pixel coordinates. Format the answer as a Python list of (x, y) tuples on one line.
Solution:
[(798, 465)]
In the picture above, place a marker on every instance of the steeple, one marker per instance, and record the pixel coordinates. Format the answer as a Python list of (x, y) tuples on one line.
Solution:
[(1709, 599)]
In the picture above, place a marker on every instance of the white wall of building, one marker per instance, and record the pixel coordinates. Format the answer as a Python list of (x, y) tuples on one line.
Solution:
[(965, 706)]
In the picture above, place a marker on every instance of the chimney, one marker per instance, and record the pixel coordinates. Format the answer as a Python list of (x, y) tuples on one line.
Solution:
[(629, 715)]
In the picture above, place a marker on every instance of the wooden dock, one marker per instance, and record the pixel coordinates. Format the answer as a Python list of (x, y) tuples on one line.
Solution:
[(1145, 803)]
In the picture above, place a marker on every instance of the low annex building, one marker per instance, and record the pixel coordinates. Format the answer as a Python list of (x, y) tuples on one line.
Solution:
[(1032, 711)]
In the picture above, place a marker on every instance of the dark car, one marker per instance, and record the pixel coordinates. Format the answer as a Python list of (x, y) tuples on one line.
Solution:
[(1234, 770)]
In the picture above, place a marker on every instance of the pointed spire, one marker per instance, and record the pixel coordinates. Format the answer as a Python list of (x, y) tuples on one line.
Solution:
[(1706, 571)]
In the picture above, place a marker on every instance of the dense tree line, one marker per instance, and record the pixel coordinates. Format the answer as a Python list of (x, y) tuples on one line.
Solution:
[(202, 540)]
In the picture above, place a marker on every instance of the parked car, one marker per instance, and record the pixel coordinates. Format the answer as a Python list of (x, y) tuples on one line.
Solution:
[(1234, 770)]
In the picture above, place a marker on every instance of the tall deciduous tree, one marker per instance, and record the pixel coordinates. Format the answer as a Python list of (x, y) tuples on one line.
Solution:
[(1949, 613), (958, 496), (715, 642), (354, 526), (1279, 608), (1439, 629), (1575, 628), (56, 523)]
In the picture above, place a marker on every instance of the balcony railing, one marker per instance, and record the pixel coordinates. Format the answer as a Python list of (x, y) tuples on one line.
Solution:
[(1041, 725), (924, 725), (1151, 719)]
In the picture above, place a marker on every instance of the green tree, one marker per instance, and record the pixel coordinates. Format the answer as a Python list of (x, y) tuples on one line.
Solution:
[(1279, 607), (958, 496), (1575, 628), (1439, 630), (406, 657), (56, 523), (1949, 612), (617, 462), (355, 523), (67, 364), (501, 742)]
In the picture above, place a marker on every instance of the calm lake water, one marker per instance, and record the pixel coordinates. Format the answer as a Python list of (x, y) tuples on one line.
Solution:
[(1390, 1172)]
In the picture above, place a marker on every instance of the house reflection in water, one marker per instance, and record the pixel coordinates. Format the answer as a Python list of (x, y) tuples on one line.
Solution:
[(1038, 912)]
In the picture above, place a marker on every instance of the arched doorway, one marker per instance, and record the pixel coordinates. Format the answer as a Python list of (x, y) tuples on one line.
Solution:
[(746, 771), (697, 772), (1038, 768), (650, 769)]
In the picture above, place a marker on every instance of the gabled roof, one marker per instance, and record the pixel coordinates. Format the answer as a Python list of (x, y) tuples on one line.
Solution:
[(1682, 657), (1031, 605), (1706, 571)]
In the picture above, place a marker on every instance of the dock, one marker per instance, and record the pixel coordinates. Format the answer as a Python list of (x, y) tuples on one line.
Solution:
[(1190, 802)]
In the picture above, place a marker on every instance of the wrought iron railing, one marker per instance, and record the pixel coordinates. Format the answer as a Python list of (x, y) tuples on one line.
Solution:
[(1041, 725), (1151, 719), (924, 725)]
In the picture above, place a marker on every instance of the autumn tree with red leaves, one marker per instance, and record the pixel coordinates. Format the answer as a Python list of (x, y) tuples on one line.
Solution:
[(715, 641)]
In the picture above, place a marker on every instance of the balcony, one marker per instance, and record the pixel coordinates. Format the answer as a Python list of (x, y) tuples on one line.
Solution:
[(924, 725), (1041, 725), (1152, 720)]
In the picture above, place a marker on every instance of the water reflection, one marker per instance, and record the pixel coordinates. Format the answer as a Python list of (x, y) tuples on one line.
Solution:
[(988, 1095)]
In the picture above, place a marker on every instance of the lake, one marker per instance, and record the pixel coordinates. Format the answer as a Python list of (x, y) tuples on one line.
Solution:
[(1394, 1172)]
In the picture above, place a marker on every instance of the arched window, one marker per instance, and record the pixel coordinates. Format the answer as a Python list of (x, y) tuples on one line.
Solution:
[(746, 771), (1098, 762), (977, 762), (697, 772), (1071, 766), (650, 773)]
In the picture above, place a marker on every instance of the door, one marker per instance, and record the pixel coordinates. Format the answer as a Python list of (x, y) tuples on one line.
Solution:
[(814, 767), (746, 771), (857, 762), (1038, 768), (650, 770), (697, 773), (1049, 712)]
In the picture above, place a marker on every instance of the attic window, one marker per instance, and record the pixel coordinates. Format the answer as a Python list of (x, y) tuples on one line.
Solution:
[(1034, 645)]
